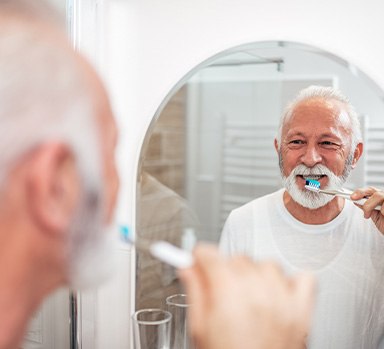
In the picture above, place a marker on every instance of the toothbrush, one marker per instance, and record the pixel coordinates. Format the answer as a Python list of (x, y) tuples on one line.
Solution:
[(162, 250), (314, 186)]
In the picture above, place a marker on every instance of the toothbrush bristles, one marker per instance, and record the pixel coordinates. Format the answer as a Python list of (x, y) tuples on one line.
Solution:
[(312, 185), (126, 234)]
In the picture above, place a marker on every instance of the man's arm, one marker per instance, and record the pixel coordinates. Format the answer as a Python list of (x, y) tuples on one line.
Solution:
[(237, 303), (375, 198)]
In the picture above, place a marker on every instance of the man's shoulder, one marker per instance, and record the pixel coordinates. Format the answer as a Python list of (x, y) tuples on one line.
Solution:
[(259, 202)]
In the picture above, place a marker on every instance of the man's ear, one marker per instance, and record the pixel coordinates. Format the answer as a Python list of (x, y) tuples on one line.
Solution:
[(357, 153), (53, 186), (276, 145)]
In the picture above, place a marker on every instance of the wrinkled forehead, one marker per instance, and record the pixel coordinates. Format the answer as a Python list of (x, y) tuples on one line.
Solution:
[(331, 113)]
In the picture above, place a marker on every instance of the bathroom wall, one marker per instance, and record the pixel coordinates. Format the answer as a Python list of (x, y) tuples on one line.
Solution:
[(149, 45), (164, 157)]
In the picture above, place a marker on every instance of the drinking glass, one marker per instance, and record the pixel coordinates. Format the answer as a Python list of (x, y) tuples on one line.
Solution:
[(177, 305), (151, 329)]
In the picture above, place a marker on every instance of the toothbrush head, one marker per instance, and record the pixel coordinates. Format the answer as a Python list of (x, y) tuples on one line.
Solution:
[(312, 185), (126, 234)]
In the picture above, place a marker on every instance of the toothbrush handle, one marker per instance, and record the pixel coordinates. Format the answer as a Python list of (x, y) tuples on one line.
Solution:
[(359, 202), (171, 254)]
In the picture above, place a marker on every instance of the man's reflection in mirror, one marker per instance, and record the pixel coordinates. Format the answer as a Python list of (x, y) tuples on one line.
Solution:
[(320, 139), (164, 215)]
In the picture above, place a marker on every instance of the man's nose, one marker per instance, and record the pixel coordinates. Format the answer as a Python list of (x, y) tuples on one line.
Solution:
[(311, 157)]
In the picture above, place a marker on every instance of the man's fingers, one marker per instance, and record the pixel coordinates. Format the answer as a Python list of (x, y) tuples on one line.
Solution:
[(200, 281), (197, 297), (374, 197), (361, 193), (221, 289), (210, 264)]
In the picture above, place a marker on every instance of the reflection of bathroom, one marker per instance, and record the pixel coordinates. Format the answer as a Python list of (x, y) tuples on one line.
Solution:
[(163, 213), (211, 148)]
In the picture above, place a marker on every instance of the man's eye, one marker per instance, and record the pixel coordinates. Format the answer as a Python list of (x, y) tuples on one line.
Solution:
[(329, 144), (296, 141)]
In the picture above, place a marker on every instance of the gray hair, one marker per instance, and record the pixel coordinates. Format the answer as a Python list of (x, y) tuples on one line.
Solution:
[(43, 93), (326, 94)]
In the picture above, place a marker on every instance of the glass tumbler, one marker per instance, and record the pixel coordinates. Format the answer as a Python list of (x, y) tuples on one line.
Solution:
[(152, 329), (178, 305)]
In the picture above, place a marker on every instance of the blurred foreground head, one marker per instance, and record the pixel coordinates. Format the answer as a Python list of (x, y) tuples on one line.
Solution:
[(58, 180)]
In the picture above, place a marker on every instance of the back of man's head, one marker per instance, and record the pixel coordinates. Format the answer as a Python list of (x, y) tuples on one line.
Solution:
[(43, 93), (56, 132)]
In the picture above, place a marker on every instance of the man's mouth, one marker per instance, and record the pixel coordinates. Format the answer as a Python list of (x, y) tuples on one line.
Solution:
[(312, 177)]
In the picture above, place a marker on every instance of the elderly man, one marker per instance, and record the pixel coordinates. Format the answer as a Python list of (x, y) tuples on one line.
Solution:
[(57, 173), (58, 188), (319, 138)]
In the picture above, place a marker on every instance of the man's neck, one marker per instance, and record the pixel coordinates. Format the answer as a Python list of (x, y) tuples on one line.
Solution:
[(22, 288), (320, 215)]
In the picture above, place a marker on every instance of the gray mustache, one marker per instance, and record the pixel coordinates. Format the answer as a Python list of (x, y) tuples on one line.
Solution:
[(318, 170)]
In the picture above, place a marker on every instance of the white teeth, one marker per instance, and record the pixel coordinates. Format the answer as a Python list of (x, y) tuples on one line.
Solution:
[(314, 177)]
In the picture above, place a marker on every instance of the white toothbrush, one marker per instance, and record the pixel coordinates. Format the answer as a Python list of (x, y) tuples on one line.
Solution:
[(314, 186), (162, 250)]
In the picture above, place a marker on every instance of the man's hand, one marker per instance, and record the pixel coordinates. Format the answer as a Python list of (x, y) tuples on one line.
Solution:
[(375, 198), (237, 303)]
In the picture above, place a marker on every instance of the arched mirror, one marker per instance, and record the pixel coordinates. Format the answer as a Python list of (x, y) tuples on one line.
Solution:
[(210, 146)]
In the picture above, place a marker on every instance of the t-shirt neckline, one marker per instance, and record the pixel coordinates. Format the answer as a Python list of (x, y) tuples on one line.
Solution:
[(312, 228)]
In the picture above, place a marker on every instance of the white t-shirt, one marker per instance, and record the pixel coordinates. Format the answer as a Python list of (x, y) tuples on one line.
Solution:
[(346, 255)]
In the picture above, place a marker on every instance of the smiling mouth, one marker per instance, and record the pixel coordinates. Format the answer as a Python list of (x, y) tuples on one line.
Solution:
[(312, 177)]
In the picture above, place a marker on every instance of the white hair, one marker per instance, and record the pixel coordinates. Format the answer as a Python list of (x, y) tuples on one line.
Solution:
[(47, 95), (326, 94), (43, 94)]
